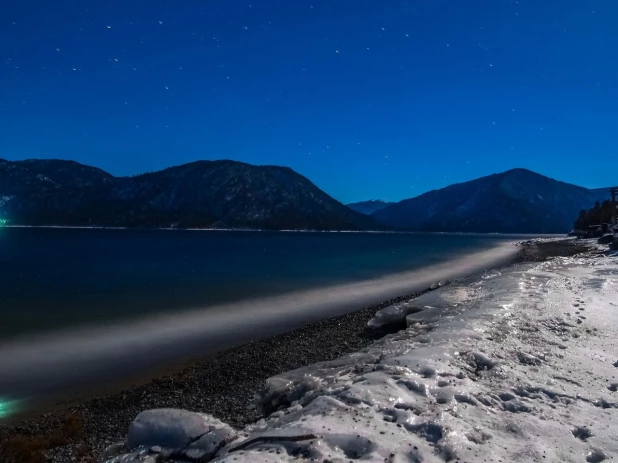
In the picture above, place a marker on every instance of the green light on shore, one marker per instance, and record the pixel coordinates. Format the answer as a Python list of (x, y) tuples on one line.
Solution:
[(3, 222), (7, 408)]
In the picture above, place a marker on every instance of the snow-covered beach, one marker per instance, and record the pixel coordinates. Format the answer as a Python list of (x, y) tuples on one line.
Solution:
[(519, 365), (329, 363)]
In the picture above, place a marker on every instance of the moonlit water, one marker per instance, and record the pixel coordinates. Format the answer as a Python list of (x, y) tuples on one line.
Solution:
[(57, 278), (84, 307)]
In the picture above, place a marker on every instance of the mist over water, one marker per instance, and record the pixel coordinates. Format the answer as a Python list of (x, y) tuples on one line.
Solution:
[(89, 307)]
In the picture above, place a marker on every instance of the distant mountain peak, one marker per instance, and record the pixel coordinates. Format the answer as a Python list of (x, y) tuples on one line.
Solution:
[(515, 201), (369, 207), (521, 170)]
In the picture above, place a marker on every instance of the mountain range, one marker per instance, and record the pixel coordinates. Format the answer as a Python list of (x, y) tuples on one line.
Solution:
[(369, 207), (230, 194), (203, 194)]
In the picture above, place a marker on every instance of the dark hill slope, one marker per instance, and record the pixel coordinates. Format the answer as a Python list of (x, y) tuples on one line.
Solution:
[(200, 194), (516, 201)]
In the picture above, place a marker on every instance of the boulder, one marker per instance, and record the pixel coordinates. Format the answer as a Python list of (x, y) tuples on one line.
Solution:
[(393, 317), (172, 433)]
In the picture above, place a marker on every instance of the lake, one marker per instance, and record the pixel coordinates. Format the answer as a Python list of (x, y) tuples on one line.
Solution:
[(57, 278)]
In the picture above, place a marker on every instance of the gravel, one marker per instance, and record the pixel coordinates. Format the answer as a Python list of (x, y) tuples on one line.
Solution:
[(223, 385)]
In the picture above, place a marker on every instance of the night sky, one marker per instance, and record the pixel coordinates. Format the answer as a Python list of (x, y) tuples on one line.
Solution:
[(368, 98)]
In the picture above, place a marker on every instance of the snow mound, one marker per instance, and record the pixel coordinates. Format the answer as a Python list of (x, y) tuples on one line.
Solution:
[(171, 433), (393, 316)]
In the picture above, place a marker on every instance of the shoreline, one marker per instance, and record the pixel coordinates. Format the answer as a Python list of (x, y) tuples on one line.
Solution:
[(517, 365), (266, 230), (62, 364), (222, 384)]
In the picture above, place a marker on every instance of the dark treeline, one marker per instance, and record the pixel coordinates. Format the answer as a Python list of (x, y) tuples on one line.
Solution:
[(600, 213)]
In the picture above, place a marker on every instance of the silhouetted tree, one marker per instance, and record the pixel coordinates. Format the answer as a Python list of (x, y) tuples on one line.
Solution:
[(600, 213)]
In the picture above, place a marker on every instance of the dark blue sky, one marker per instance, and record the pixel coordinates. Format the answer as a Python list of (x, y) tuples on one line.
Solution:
[(369, 99)]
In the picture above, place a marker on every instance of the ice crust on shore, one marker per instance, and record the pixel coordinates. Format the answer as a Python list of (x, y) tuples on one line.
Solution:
[(518, 365)]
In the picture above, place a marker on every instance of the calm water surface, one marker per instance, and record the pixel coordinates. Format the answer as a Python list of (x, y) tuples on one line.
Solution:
[(57, 278)]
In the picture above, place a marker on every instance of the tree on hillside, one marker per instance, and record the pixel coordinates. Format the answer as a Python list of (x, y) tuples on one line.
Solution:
[(600, 213)]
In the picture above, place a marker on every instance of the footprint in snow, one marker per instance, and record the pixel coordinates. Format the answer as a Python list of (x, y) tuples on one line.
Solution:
[(582, 432), (595, 456)]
